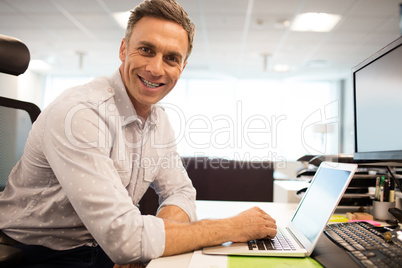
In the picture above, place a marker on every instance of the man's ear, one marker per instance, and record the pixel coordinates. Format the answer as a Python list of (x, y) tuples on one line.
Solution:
[(184, 66), (122, 52)]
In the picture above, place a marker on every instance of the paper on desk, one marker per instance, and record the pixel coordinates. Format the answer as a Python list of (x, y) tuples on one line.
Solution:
[(199, 260), (272, 262)]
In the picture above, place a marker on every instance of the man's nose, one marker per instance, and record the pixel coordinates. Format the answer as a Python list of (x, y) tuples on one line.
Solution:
[(155, 65)]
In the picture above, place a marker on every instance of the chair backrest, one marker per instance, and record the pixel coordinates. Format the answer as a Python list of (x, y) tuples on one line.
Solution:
[(14, 56), (16, 117)]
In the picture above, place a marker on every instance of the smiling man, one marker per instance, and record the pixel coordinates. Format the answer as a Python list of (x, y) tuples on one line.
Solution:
[(71, 201)]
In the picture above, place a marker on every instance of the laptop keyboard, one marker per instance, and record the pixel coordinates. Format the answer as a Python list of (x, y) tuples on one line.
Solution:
[(365, 244), (279, 242)]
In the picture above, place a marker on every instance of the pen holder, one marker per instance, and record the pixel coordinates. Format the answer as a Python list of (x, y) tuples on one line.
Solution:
[(380, 210)]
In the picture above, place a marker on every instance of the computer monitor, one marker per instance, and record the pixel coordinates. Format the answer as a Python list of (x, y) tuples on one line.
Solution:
[(377, 86)]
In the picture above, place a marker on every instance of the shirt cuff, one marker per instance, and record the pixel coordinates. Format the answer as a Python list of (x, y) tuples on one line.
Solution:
[(153, 238)]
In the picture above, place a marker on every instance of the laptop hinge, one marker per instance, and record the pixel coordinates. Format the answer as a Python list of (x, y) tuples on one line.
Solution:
[(294, 237)]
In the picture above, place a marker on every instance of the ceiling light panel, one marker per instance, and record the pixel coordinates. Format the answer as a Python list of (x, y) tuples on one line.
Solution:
[(315, 22)]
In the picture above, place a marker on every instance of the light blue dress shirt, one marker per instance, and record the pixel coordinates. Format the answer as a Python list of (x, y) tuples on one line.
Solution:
[(88, 161)]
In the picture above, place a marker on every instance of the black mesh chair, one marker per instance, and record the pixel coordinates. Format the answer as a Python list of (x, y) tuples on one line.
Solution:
[(16, 118)]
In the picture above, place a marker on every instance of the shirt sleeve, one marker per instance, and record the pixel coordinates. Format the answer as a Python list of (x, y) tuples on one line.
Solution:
[(76, 148)]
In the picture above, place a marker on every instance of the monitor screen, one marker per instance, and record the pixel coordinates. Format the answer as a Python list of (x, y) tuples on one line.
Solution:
[(377, 83)]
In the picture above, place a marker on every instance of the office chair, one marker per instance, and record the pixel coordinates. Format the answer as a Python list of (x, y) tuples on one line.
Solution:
[(16, 118)]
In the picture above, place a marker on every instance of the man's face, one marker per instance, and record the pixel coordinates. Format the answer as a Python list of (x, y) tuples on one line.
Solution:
[(152, 61)]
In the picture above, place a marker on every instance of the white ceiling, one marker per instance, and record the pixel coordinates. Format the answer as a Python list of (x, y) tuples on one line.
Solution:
[(231, 38)]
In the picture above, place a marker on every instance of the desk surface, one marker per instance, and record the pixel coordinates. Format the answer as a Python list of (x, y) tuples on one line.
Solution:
[(281, 212)]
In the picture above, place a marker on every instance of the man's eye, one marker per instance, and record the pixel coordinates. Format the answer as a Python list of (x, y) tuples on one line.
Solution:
[(172, 59), (146, 50)]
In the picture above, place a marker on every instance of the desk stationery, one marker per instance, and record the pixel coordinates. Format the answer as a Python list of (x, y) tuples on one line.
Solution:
[(326, 252)]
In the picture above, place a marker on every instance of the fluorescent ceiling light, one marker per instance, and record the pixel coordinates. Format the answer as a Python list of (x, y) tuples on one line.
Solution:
[(122, 18), (281, 68), (315, 22), (38, 65)]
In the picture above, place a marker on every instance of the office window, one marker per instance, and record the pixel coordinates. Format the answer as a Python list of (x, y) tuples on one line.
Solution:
[(254, 119)]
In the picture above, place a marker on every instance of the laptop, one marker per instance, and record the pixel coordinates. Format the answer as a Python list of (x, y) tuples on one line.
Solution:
[(308, 222)]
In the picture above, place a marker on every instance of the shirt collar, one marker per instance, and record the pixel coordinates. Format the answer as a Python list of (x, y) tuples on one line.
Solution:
[(124, 105)]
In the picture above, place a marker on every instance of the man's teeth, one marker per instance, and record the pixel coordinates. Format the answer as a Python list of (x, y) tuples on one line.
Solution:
[(150, 84)]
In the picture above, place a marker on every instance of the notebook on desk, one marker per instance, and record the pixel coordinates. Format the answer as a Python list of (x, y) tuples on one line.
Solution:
[(308, 222)]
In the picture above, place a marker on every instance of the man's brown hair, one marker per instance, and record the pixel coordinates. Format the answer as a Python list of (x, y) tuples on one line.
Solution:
[(163, 9)]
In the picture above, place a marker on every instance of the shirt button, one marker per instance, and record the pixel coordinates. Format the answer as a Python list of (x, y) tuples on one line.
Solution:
[(111, 90)]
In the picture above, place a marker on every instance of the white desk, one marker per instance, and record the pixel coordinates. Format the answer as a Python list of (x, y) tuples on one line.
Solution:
[(281, 212)]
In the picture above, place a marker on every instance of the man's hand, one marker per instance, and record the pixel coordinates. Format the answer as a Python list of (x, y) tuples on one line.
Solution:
[(251, 224)]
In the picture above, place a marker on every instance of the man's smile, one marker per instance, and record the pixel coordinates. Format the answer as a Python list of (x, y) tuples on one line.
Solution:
[(150, 84)]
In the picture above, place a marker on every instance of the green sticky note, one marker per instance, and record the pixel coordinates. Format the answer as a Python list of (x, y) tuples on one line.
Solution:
[(272, 262)]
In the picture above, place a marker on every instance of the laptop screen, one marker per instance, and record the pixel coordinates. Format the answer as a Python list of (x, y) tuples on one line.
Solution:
[(319, 201)]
